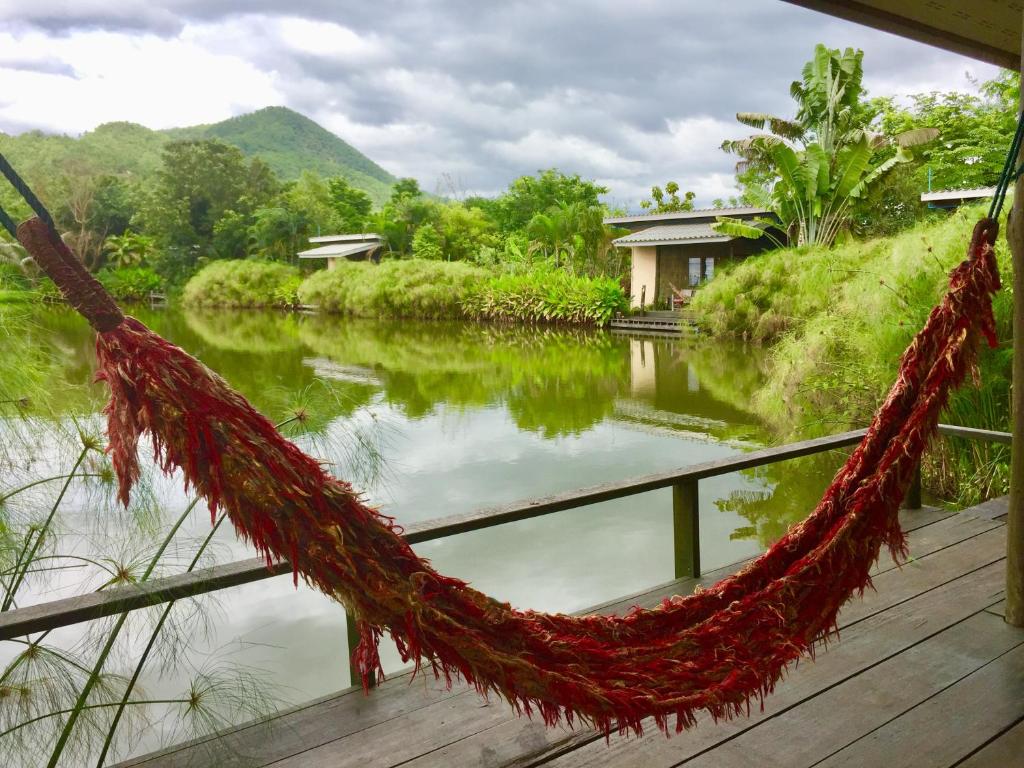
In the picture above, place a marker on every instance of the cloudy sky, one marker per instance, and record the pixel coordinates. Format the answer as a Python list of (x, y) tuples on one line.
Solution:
[(629, 93)]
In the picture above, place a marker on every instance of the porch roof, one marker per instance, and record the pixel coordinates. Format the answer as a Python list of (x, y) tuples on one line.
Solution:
[(946, 195), (674, 234), (338, 250), (988, 31)]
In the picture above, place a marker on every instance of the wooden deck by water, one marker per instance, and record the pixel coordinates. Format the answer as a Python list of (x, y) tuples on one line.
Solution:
[(926, 673)]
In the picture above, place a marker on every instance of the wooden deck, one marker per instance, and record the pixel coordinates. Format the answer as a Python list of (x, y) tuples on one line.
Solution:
[(926, 674), (671, 323)]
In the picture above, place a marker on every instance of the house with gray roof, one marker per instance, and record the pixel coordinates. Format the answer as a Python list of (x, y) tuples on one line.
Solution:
[(675, 253)]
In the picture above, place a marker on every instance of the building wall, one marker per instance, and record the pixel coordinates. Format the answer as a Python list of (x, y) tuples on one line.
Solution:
[(645, 272)]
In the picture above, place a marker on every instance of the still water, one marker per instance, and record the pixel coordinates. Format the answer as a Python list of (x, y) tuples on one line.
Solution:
[(434, 419)]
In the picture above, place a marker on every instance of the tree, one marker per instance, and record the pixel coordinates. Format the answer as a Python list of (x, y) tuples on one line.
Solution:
[(277, 233), (130, 249), (530, 195), (426, 244), (836, 158), (351, 205), (463, 231), (672, 204), (975, 132), (198, 182), (405, 189)]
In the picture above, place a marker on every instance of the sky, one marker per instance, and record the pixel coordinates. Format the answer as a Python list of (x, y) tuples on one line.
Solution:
[(463, 95)]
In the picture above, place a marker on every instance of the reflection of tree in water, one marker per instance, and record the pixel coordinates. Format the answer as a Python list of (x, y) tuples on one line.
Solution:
[(790, 491), (555, 381)]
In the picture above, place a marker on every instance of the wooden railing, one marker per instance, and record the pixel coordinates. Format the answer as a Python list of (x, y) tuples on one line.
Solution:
[(685, 522)]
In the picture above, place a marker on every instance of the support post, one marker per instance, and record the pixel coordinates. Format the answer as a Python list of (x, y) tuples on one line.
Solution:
[(1015, 518), (353, 640), (686, 529), (913, 498)]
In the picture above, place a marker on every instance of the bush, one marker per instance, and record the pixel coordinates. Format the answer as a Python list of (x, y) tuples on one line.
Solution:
[(410, 288), (547, 295), (242, 283), (130, 283)]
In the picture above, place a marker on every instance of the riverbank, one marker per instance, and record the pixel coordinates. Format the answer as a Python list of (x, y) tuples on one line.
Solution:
[(412, 288), (836, 322)]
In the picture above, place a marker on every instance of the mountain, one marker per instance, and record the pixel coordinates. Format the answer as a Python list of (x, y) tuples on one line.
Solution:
[(291, 143), (288, 142)]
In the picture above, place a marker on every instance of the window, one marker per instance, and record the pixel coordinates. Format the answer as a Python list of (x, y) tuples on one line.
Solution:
[(695, 271), (709, 267)]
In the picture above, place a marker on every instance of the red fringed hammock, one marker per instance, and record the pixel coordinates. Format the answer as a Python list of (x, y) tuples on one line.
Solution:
[(713, 650)]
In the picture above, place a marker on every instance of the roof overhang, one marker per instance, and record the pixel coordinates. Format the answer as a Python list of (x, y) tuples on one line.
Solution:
[(338, 250), (946, 195), (358, 238), (691, 241), (987, 30)]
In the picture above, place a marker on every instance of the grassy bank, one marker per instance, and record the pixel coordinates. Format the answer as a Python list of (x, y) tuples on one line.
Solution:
[(837, 322), (413, 288)]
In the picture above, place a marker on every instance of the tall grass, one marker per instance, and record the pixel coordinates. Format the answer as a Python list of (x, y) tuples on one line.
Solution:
[(439, 290), (838, 321), (242, 283), (412, 288)]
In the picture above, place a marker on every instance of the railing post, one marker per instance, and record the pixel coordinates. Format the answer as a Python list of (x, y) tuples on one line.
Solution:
[(686, 529), (353, 640), (913, 498)]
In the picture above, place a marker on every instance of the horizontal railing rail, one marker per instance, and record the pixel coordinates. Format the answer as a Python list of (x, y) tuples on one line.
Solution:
[(683, 481)]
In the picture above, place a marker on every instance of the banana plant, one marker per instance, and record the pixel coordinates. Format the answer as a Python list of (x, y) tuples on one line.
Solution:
[(814, 191)]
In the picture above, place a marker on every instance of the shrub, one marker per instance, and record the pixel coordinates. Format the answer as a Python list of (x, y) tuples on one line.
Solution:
[(243, 283), (547, 295), (129, 283), (410, 288)]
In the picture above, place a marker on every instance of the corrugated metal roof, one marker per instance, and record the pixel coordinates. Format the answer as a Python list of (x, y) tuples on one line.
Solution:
[(699, 213), (672, 234), (957, 194), (338, 249)]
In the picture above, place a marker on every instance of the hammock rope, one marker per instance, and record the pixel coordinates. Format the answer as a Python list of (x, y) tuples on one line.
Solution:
[(714, 650)]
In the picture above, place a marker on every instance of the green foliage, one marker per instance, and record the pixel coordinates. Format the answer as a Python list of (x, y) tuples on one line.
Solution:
[(351, 205), (130, 283), (129, 249), (200, 181), (672, 204), (547, 296), (242, 283), (426, 244), (975, 132), (839, 320), (408, 288), (529, 195)]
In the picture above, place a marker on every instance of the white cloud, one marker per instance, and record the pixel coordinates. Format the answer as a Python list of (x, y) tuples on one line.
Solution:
[(117, 76)]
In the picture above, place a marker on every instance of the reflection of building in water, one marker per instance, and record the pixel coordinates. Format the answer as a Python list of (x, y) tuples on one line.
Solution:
[(665, 389), (642, 378)]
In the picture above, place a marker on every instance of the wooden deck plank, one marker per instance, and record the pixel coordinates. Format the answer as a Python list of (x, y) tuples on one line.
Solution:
[(844, 713), (950, 575), (1006, 750), (982, 705), (863, 645), (348, 714)]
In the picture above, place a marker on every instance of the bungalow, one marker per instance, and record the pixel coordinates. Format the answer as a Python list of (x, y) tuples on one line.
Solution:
[(674, 253), (360, 247)]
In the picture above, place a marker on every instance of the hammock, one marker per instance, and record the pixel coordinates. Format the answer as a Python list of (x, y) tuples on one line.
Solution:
[(714, 650)]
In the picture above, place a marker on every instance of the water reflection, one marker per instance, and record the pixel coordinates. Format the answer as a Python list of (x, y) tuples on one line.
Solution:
[(466, 416)]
